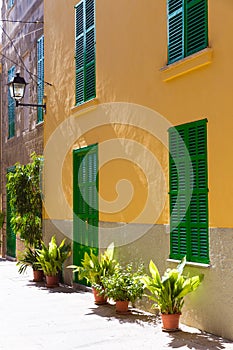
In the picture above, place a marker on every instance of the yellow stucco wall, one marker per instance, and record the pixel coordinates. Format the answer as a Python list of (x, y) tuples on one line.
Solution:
[(130, 54), (138, 98)]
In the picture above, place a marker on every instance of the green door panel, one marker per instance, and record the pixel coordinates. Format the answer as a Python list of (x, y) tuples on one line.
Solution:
[(85, 203)]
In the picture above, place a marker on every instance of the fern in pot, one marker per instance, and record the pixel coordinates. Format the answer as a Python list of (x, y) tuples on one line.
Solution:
[(123, 286)]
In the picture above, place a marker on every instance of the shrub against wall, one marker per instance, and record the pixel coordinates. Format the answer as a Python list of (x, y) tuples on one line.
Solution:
[(23, 186)]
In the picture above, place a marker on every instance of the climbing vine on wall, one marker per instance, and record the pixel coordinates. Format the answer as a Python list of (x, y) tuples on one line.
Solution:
[(24, 189)]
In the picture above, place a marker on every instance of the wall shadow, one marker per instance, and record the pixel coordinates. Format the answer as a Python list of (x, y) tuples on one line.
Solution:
[(201, 340)]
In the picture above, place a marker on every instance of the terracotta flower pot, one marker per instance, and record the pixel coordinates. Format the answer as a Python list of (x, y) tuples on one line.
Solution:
[(52, 281), (122, 306), (170, 322), (38, 275), (99, 299)]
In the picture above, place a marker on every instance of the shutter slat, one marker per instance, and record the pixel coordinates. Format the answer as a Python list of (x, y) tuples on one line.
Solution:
[(90, 14), (79, 53), (79, 13), (90, 46), (175, 36), (90, 82), (80, 86), (174, 5)]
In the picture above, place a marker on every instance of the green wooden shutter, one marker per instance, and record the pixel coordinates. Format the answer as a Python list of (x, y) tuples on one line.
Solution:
[(79, 49), (187, 28), (85, 202), (199, 225), (178, 195), (196, 26), (11, 106), (189, 192), (90, 50), (40, 77), (85, 51), (175, 30)]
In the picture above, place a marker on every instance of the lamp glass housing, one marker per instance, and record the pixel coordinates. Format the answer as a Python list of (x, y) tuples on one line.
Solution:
[(17, 91), (17, 87)]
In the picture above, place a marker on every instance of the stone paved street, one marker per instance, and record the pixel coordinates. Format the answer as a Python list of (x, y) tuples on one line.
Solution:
[(33, 317)]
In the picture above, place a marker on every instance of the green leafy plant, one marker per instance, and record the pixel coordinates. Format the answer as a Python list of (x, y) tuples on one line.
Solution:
[(51, 258), (169, 291), (23, 186), (94, 268), (29, 258), (2, 216), (124, 284)]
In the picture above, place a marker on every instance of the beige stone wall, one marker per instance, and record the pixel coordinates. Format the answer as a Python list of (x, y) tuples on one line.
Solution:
[(19, 49), (211, 307)]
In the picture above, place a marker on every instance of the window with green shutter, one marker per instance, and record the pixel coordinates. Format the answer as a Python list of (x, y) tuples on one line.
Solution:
[(187, 28), (10, 3), (11, 106), (40, 77), (85, 51), (189, 192)]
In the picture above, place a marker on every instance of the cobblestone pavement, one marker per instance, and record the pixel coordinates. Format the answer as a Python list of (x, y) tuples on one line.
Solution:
[(33, 317)]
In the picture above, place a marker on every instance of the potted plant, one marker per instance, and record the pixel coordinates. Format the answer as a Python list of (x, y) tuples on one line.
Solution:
[(169, 291), (124, 286), (51, 260), (29, 258), (94, 268)]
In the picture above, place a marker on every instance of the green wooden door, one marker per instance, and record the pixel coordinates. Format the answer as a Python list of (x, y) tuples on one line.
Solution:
[(10, 235), (85, 202)]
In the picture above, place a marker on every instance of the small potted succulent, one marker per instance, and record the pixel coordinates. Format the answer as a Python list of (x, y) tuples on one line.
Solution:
[(94, 268), (124, 286), (29, 259), (169, 291), (51, 260)]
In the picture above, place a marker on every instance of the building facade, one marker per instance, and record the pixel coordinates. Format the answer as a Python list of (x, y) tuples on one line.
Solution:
[(22, 127), (138, 136)]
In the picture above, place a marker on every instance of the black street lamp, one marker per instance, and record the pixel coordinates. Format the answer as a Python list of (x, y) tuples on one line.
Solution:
[(17, 88)]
